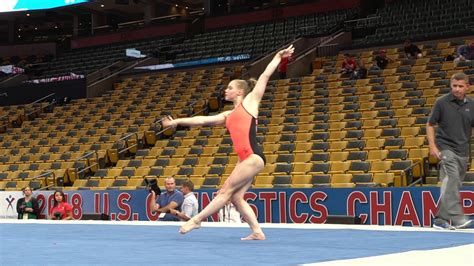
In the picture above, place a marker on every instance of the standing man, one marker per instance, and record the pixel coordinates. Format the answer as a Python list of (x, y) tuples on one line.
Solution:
[(168, 201), (190, 206), (453, 114)]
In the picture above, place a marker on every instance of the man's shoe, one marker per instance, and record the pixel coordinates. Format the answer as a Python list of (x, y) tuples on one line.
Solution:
[(443, 225), (465, 224)]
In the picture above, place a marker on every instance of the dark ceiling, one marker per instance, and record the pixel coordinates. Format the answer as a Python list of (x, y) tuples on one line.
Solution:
[(58, 23), (40, 22)]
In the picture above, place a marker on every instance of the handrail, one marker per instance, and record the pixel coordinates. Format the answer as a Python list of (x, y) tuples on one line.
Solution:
[(405, 171), (26, 106), (45, 175), (286, 44), (95, 82), (85, 156), (125, 138), (34, 110), (320, 43), (44, 98), (361, 19), (165, 17), (163, 130)]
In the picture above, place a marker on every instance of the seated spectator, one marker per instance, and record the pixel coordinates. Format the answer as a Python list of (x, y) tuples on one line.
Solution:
[(465, 53), (229, 214), (348, 66), (412, 51), (360, 72), (172, 199), (27, 207), (61, 210), (381, 60), (190, 206)]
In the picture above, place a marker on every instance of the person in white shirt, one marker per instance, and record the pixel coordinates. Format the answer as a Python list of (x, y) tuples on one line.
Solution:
[(190, 206), (229, 214)]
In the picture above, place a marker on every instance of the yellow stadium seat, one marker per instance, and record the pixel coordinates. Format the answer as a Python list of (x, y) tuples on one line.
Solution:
[(341, 181), (263, 181), (301, 181)]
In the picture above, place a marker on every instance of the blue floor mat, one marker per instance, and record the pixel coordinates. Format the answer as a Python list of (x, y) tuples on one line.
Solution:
[(73, 244)]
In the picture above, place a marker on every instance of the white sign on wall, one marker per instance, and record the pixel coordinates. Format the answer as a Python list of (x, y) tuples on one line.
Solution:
[(8, 201)]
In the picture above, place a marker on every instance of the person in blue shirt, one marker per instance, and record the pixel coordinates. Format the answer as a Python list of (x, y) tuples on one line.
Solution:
[(172, 199)]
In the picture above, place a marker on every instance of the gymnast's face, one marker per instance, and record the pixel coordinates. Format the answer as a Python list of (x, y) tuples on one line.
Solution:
[(233, 91)]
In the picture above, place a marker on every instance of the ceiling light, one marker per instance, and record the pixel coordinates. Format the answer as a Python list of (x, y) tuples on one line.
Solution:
[(27, 14), (101, 5)]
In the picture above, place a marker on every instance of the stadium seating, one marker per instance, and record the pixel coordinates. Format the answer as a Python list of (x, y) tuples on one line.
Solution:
[(319, 130), (419, 20)]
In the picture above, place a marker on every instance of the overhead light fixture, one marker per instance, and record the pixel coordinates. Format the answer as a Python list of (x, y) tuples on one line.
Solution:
[(27, 14), (176, 5), (36, 28), (101, 5)]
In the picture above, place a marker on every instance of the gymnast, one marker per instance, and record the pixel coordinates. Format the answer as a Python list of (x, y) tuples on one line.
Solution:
[(241, 123)]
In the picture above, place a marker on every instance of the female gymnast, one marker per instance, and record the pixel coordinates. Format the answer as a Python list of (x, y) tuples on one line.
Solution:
[(241, 123)]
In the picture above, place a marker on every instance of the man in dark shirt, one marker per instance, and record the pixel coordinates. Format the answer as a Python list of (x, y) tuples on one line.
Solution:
[(382, 60), (465, 53), (453, 114), (412, 51)]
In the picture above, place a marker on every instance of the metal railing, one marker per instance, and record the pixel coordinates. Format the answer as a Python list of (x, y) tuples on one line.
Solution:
[(408, 173), (40, 108), (125, 139), (361, 19), (86, 157), (29, 110), (45, 175), (198, 112)]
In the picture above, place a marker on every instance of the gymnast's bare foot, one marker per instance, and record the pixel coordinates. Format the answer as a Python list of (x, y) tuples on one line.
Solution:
[(254, 236), (189, 225)]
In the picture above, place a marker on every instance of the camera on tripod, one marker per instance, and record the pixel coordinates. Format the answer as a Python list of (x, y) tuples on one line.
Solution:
[(152, 185)]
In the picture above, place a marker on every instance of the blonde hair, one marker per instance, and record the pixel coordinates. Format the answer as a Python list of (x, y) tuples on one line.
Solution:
[(246, 85)]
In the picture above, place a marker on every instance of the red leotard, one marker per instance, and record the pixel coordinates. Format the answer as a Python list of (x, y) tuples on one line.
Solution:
[(242, 127)]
